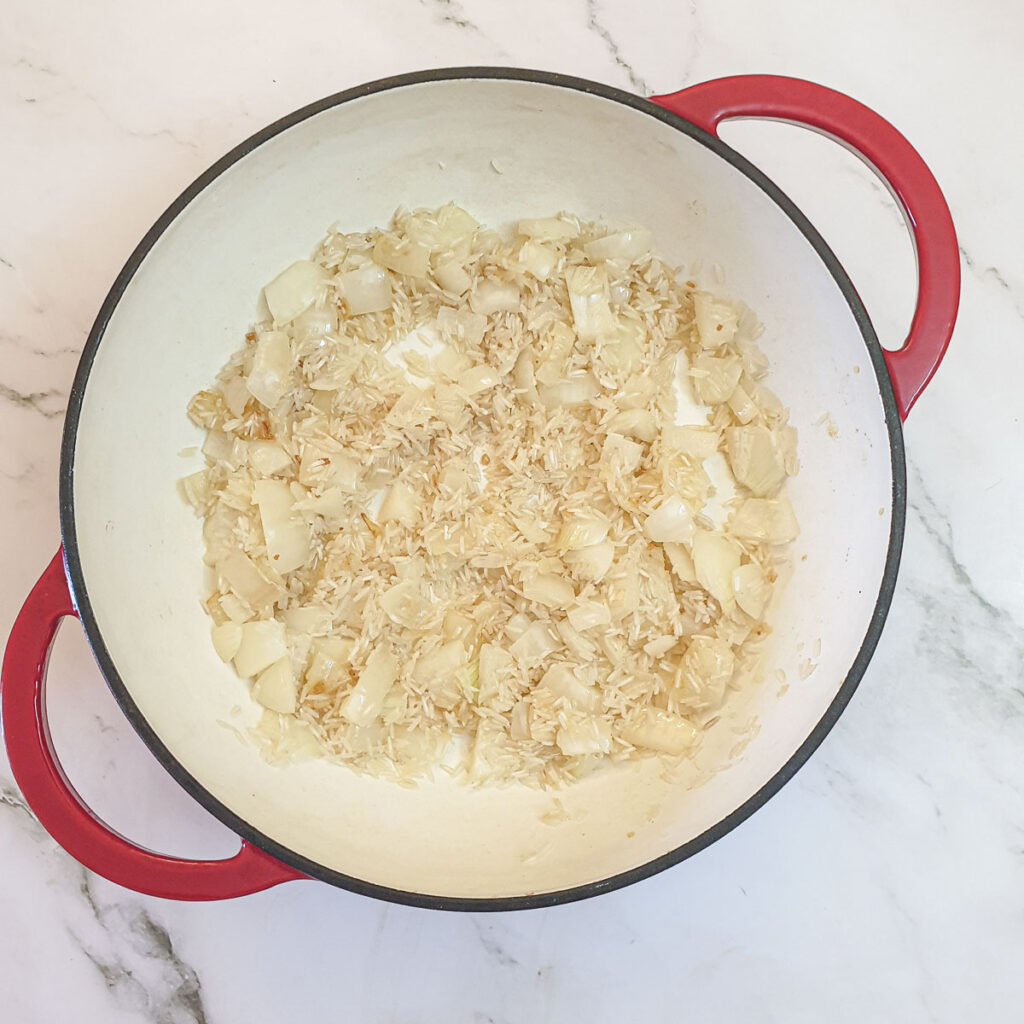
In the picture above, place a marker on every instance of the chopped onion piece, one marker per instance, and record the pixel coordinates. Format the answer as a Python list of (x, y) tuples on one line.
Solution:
[(438, 673), (285, 531), (307, 619), (452, 277), (705, 670), (519, 721), (461, 325), (722, 489), (220, 533), (571, 391), (365, 701), (330, 654), (751, 588), (716, 320), (697, 442), (614, 648), (671, 522), (588, 299), (343, 361), (399, 506), (449, 228), (285, 739), (561, 339), (407, 605), (275, 688), (585, 736), (578, 646), (620, 352), (684, 407), (523, 373), (268, 457), (403, 257), (660, 646), (517, 625), (452, 364), (591, 563), (227, 637), (244, 577), (294, 290), (563, 682), (636, 423), (538, 259), (196, 490), (261, 644), (315, 324), (755, 362), (618, 293), (532, 530), (455, 224), (478, 379), (457, 626), (497, 673), (742, 405), (236, 395), (494, 297), (621, 455), (768, 402), (549, 229), (656, 729), (754, 460), (682, 563), (270, 376), (585, 615), (765, 520), (549, 589), (637, 392), (535, 644), (486, 240), (365, 290), (715, 558), (582, 529), (325, 467), (226, 448), (715, 377), (453, 479), (623, 595), (235, 609), (333, 506), (622, 245), (299, 647)]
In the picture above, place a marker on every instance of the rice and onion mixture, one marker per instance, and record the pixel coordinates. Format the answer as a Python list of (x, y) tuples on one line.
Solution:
[(456, 504)]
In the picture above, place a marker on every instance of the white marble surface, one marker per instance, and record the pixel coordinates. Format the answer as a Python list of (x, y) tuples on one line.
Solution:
[(885, 883)]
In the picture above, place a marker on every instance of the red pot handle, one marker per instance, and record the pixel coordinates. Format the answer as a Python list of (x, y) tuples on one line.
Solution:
[(54, 801), (896, 162)]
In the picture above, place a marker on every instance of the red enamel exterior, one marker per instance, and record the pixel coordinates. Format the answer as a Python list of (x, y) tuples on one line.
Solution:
[(898, 164), (54, 801)]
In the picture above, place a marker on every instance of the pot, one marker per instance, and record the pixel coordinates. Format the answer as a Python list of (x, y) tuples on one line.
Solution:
[(502, 143)]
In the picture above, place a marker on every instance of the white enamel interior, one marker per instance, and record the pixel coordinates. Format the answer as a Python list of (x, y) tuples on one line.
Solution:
[(185, 311)]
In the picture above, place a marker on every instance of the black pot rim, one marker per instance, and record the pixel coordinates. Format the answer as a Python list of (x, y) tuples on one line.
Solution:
[(314, 870)]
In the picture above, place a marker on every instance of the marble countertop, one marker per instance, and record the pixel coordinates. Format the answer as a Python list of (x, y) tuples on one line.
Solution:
[(885, 882)]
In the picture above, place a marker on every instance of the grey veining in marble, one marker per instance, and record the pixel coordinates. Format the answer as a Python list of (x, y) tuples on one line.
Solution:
[(884, 883)]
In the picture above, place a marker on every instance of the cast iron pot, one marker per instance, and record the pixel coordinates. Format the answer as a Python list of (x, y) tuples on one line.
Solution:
[(130, 564)]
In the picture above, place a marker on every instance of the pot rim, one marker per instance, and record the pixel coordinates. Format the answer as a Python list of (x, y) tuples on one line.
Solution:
[(122, 695)]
